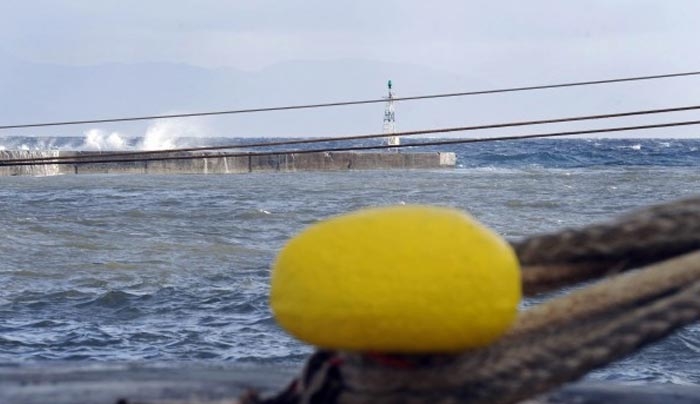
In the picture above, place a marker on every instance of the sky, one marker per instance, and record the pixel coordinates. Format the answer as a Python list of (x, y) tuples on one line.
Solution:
[(450, 45)]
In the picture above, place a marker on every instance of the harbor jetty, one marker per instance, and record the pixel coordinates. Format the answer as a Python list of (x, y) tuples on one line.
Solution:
[(55, 162)]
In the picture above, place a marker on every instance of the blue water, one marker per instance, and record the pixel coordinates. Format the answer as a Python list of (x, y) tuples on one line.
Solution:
[(176, 267)]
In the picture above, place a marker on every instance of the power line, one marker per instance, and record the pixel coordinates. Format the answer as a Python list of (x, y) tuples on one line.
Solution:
[(374, 147), (370, 136), (348, 103)]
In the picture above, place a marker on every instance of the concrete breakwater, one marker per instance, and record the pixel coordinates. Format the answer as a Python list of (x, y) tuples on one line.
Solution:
[(77, 162)]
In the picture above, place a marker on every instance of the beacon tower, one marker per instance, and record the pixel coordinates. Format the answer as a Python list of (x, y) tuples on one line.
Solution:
[(389, 127)]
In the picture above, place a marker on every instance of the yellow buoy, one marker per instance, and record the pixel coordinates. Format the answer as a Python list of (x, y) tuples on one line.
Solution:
[(404, 279)]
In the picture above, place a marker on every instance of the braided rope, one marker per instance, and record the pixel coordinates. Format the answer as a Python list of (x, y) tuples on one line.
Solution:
[(649, 235), (531, 360), (645, 236), (554, 342), (547, 359), (618, 293)]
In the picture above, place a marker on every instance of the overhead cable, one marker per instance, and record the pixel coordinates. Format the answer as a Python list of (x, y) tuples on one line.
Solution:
[(369, 136), (370, 147), (348, 103)]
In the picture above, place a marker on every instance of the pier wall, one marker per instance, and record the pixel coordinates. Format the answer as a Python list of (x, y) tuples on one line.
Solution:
[(218, 163)]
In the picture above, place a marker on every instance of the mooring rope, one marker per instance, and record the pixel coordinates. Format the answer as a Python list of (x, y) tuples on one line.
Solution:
[(552, 343), (638, 238)]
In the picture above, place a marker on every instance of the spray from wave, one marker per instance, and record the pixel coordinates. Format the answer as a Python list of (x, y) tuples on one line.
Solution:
[(169, 134), (161, 135), (99, 140), (29, 144)]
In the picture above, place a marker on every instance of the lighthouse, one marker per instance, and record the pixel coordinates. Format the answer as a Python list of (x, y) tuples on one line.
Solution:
[(389, 127)]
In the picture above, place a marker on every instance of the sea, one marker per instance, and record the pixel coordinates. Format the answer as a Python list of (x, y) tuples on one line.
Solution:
[(176, 268)]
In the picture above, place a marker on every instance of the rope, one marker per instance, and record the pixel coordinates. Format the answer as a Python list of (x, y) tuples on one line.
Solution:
[(93, 159), (372, 136), (348, 103), (545, 360), (552, 343), (648, 235), (537, 354)]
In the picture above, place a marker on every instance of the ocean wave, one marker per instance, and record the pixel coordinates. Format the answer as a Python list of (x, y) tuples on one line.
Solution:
[(692, 342), (187, 276), (111, 299)]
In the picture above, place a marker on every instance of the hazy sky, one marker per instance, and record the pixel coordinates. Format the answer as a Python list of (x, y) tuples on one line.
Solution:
[(503, 42), (453, 35)]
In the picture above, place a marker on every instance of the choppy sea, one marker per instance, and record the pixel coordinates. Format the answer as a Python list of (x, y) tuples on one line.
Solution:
[(174, 268)]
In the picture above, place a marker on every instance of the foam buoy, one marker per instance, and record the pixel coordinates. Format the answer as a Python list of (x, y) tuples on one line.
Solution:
[(404, 279)]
